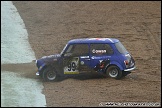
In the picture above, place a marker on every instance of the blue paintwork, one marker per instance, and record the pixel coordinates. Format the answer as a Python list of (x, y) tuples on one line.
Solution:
[(91, 61), (93, 40)]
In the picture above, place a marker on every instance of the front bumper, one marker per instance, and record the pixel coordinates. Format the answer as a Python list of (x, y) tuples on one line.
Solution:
[(37, 73), (130, 69), (40, 68)]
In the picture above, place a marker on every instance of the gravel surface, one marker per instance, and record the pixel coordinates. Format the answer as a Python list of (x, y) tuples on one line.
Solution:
[(136, 24)]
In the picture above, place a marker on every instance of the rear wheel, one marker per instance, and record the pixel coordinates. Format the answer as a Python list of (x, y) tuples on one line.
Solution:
[(114, 72), (49, 74)]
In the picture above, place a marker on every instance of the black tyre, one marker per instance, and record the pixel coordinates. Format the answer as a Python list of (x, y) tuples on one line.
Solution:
[(114, 72), (50, 74)]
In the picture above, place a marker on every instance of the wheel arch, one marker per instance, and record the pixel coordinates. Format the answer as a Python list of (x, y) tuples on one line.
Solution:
[(46, 66), (119, 73), (114, 63), (48, 69)]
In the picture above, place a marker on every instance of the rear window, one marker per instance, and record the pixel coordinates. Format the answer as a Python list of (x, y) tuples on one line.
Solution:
[(121, 48)]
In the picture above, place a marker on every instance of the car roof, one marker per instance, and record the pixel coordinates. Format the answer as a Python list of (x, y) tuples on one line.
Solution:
[(93, 40)]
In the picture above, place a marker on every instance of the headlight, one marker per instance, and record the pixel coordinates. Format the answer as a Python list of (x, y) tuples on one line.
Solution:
[(35, 61)]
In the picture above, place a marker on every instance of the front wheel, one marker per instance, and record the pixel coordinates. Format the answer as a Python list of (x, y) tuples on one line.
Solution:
[(49, 74), (114, 72)]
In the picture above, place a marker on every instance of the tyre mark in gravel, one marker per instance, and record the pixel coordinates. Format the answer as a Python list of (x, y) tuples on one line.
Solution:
[(154, 39), (142, 29)]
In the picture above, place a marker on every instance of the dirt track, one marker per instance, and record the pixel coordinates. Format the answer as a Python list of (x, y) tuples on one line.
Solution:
[(136, 24)]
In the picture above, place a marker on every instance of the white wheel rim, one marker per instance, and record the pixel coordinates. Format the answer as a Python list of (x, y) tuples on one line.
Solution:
[(51, 75), (113, 73)]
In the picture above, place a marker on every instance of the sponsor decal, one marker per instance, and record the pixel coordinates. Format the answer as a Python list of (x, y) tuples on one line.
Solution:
[(72, 66), (100, 61), (98, 51), (54, 59), (103, 39), (84, 56), (82, 62), (71, 72)]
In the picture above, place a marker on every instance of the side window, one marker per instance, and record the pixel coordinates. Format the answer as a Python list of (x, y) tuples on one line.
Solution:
[(81, 49), (78, 49), (101, 49)]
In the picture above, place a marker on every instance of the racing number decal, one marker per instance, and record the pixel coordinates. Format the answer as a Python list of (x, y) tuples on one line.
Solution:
[(72, 67)]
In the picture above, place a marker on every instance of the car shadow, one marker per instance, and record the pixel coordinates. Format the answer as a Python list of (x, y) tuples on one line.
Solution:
[(83, 76)]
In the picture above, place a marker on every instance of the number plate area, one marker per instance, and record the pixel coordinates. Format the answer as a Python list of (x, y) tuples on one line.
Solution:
[(72, 67)]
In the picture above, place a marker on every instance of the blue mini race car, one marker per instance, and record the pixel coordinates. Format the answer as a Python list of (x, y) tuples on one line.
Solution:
[(103, 55)]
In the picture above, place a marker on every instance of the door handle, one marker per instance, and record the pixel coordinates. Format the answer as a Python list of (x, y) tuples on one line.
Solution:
[(88, 59)]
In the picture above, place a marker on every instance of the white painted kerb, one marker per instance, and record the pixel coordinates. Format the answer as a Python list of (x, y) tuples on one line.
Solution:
[(17, 91), (15, 47)]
